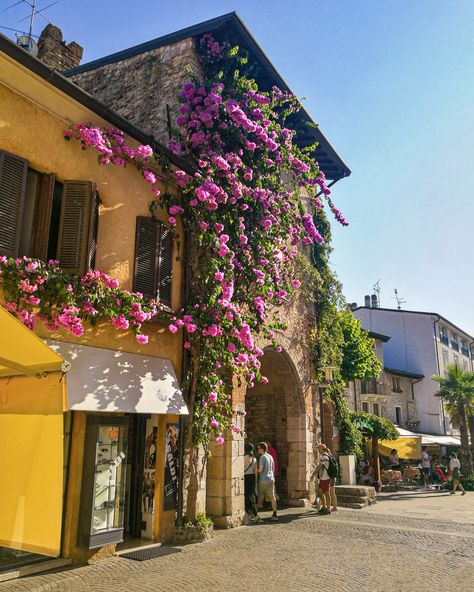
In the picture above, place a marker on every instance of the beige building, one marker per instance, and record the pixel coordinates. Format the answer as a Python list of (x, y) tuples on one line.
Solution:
[(390, 395)]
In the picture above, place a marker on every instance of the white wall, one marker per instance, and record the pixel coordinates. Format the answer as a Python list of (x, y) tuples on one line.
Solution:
[(411, 348)]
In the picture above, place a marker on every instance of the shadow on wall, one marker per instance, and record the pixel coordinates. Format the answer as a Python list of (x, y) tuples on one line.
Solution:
[(109, 380)]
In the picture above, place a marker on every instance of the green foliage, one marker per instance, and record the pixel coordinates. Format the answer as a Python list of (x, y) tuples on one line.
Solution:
[(200, 523), (358, 355), (350, 437), (381, 428)]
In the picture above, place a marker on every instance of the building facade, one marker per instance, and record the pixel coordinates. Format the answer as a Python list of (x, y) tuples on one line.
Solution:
[(423, 344), (142, 83), (391, 395), (92, 441)]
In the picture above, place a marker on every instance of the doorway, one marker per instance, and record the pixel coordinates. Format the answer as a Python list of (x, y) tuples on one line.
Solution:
[(134, 483)]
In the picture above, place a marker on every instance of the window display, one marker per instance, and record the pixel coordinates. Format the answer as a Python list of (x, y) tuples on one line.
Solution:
[(109, 486), (104, 482)]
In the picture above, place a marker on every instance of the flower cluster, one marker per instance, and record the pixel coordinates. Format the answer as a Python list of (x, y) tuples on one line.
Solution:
[(110, 145), (37, 291)]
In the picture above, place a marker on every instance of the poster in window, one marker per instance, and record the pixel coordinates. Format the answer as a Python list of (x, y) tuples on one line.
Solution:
[(171, 466), (148, 486)]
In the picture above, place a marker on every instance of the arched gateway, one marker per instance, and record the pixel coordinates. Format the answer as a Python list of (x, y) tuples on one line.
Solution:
[(283, 411), (276, 412)]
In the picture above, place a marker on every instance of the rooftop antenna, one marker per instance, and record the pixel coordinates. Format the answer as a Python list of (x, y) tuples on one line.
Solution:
[(25, 38), (377, 289), (399, 300)]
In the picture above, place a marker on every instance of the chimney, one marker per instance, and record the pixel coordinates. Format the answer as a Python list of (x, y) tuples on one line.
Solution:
[(54, 52), (353, 305), (367, 301), (375, 303)]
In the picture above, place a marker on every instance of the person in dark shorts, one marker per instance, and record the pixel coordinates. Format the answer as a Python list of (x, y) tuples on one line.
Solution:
[(250, 483)]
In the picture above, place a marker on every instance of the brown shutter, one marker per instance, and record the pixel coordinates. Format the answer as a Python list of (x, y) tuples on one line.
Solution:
[(147, 242), (93, 231), (76, 226), (42, 219), (13, 171), (165, 266)]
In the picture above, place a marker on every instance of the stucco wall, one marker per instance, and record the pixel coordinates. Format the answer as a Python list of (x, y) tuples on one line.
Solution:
[(411, 348)]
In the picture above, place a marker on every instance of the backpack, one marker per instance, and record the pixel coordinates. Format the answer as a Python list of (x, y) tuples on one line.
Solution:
[(333, 468)]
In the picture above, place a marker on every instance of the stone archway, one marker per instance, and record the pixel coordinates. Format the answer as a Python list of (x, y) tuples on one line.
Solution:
[(276, 411)]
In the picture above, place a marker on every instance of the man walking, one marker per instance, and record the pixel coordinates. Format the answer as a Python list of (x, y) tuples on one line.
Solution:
[(266, 482)]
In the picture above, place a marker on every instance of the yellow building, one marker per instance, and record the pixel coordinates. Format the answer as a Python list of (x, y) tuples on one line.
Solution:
[(90, 431)]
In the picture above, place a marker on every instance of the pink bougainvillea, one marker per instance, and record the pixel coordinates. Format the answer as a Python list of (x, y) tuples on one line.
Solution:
[(249, 207)]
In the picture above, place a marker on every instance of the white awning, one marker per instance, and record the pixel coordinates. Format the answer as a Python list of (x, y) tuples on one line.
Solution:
[(431, 439), (114, 381), (427, 439)]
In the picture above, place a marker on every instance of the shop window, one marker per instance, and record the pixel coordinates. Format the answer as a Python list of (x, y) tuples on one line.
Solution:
[(153, 271), (103, 483), (44, 219)]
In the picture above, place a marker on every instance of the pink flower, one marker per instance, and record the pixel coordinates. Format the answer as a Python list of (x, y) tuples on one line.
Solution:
[(149, 177), (218, 227), (213, 397), (220, 440), (172, 328), (187, 345), (172, 220), (214, 423), (141, 339)]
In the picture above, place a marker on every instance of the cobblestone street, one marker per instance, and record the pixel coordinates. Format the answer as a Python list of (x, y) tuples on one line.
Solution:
[(350, 550)]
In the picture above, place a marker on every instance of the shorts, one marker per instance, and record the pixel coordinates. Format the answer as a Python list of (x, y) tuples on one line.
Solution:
[(426, 470), (324, 484), (266, 489)]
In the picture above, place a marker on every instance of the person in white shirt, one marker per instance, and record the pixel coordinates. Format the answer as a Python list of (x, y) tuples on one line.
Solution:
[(426, 466), (455, 468)]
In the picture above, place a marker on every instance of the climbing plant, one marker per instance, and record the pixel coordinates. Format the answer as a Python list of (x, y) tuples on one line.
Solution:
[(252, 208)]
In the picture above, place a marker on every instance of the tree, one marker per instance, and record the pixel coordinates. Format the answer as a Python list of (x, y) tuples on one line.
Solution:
[(358, 355), (357, 360), (457, 391)]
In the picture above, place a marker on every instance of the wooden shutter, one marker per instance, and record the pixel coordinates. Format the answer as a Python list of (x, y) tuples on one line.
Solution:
[(13, 171), (165, 266), (77, 226), (42, 219), (153, 260), (147, 242)]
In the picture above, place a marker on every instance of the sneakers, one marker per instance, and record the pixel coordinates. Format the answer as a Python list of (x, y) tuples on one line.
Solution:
[(324, 512), (274, 517), (334, 509), (464, 493), (256, 520), (452, 493)]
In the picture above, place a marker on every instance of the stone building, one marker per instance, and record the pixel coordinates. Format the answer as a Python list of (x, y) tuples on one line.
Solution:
[(390, 395), (142, 83)]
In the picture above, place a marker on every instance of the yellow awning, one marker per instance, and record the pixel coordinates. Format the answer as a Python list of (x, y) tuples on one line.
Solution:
[(23, 352), (407, 448)]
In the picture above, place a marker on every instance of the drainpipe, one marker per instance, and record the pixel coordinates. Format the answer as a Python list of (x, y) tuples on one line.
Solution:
[(438, 368)]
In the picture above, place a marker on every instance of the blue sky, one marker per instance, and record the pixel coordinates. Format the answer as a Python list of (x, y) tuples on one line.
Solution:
[(391, 82)]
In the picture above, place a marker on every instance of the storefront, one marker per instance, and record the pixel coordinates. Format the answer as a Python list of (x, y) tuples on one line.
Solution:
[(90, 440), (32, 429), (123, 467)]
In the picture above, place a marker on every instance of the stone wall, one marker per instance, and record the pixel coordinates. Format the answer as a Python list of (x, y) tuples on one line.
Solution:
[(144, 88)]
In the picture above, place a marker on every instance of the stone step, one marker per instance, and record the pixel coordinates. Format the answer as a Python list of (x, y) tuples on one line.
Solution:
[(353, 506)]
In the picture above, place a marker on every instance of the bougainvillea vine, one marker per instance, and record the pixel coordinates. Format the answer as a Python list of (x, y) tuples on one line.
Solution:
[(249, 210)]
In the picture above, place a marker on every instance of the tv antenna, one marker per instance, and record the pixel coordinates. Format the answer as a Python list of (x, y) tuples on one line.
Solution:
[(399, 300), (377, 290), (25, 38)]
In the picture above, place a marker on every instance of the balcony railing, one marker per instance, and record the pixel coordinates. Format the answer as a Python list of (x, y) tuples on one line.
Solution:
[(444, 339), (455, 344)]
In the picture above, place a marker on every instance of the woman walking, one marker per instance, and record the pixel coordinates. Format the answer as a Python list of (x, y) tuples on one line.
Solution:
[(455, 468)]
